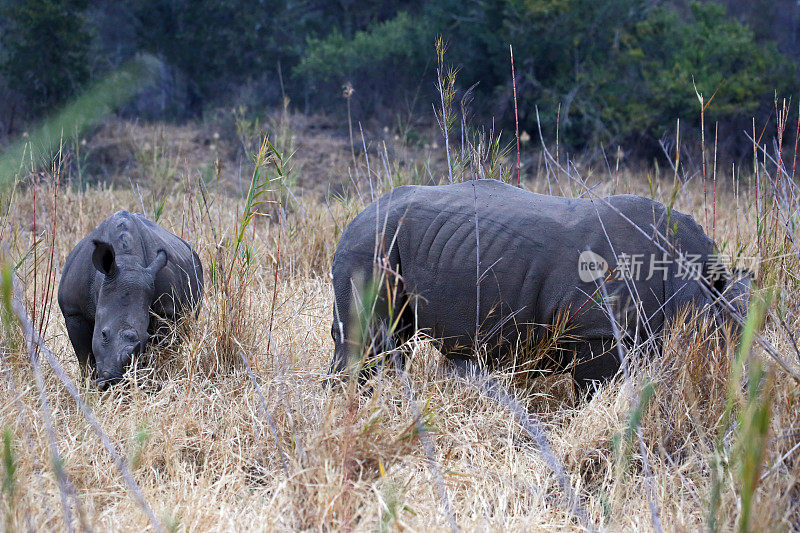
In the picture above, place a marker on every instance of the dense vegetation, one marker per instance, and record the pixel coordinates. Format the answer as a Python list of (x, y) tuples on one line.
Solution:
[(618, 71)]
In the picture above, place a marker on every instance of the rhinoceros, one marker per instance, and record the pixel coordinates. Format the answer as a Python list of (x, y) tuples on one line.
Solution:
[(483, 265), (126, 268)]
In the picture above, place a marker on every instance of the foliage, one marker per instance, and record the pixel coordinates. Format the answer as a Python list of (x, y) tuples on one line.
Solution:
[(620, 70), (211, 42), (394, 45), (611, 71), (720, 56), (617, 71), (46, 47)]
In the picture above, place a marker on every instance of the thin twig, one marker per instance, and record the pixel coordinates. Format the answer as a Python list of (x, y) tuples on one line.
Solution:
[(477, 269), (494, 390), (275, 281), (58, 465), (779, 462), (366, 156), (651, 497), (36, 342), (516, 115), (445, 130), (427, 445), (270, 422)]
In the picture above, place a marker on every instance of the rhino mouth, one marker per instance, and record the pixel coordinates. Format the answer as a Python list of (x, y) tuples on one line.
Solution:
[(108, 378)]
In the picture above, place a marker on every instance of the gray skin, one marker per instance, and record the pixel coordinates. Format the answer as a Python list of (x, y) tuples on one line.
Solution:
[(418, 244), (112, 280)]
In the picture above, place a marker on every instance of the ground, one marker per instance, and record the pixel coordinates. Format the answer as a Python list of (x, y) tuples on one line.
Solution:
[(208, 455)]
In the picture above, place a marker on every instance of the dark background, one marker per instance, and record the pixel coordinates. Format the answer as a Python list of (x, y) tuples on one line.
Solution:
[(613, 72)]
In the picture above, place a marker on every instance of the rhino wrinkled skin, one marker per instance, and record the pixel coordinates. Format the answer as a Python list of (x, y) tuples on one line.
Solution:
[(537, 255), (112, 280)]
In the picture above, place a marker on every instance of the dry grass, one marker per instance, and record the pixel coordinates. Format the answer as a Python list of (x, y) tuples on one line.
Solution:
[(192, 427)]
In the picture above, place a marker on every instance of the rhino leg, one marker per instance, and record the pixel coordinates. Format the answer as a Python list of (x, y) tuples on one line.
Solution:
[(596, 361), (381, 332), (368, 322), (80, 331)]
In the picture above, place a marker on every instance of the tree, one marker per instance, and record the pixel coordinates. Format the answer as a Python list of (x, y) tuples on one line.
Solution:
[(383, 62), (718, 55), (45, 57)]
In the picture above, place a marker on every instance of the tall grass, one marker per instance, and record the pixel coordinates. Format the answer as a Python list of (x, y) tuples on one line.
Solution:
[(344, 452), (231, 428)]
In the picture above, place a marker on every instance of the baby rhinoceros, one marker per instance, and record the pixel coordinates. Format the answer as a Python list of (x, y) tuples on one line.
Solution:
[(126, 268)]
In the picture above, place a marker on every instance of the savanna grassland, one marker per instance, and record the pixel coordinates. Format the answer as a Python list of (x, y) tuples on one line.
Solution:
[(703, 436)]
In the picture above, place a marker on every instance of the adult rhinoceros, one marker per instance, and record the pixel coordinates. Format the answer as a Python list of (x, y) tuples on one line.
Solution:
[(113, 278), (436, 257)]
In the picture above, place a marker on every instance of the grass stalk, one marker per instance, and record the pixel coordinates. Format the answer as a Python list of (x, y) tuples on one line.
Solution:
[(637, 405), (270, 421), (719, 464), (445, 84), (516, 115), (36, 343)]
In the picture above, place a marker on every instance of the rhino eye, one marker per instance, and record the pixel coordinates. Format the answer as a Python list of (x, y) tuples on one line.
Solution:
[(104, 333), (130, 336)]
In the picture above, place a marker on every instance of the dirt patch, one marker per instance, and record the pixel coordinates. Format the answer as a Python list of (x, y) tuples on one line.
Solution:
[(220, 150)]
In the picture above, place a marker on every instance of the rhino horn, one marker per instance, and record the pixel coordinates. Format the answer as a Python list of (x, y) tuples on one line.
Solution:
[(158, 263)]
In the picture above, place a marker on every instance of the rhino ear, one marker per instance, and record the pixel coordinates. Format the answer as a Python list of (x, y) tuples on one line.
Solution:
[(158, 263), (104, 258)]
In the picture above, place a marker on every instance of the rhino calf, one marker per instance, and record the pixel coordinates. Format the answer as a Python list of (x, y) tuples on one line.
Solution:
[(483, 264), (112, 280)]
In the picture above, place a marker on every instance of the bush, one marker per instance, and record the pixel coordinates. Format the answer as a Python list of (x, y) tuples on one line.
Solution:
[(46, 53), (616, 71), (383, 63), (621, 71)]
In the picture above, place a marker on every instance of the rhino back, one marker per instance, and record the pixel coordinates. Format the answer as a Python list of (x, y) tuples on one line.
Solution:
[(529, 245), (525, 253), (180, 283), (439, 255), (371, 233)]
